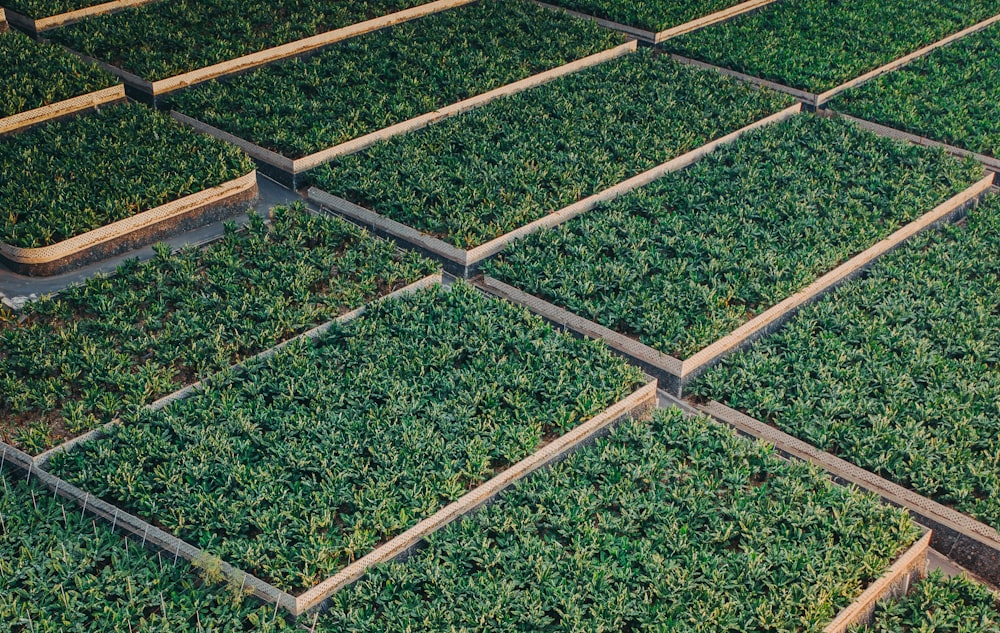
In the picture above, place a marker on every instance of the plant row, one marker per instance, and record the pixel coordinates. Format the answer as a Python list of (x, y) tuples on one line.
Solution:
[(897, 372), (66, 178), (64, 573), (682, 262), (939, 604), (163, 39), (650, 15), (948, 96), (373, 81), (817, 45), (308, 460), (38, 74), (78, 360), (474, 177), (668, 524)]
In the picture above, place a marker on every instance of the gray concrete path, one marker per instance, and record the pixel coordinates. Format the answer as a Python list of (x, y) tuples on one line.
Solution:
[(16, 289)]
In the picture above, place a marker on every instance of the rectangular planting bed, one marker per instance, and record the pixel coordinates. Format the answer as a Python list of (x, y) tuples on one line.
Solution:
[(299, 114), (657, 21), (78, 191), (668, 522), (162, 47), (318, 459), (896, 373), (35, 16), (42, 82), (947, 97), (701, 262), (463, 188), (818, 48), (75, 362)]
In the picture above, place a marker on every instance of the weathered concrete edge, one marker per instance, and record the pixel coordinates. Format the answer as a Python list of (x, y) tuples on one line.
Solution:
[(135, 527), (774, 317), (649, 37), (665, 368), (61, 109), (824, 97), (714, 18), (804, 96), (973, 544), (465, 262), (894, 583), (640, 400), (35, 26), (306, 163), (890, 132), (182, 394)]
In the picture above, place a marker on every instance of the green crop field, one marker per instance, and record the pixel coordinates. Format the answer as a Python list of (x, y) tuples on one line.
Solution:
[(950, 96), (62, 572), (62, 179), (316, 409), (684, 261), (44, 8), (477, 176), (163, 39), (817, 45), (313, 457), (370, 82), (78, 360), (896, 372), (37, 75), (668, 524)]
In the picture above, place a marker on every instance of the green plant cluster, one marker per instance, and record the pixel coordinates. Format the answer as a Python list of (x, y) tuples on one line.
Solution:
[(817, 45), (649, 15), (684, 261), (949, 96), (669, 524), (64, 573), (474, 177), (377, 80), (939, 604), (66, 178), (897, 372), (38, 9), (306, 461), (72, 362), (36, 74), (163, 39)]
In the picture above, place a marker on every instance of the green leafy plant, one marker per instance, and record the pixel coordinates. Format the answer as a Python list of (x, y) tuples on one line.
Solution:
[(36, 74), (373, 81), (78, 360), (940, 604), (163, 39), (38, 9), (487, 172), (896, 372), (62, 572), (650, 15), (948, 96), (684, 261), (669, 524), (304, 462), (66, 178), (817, 45)]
